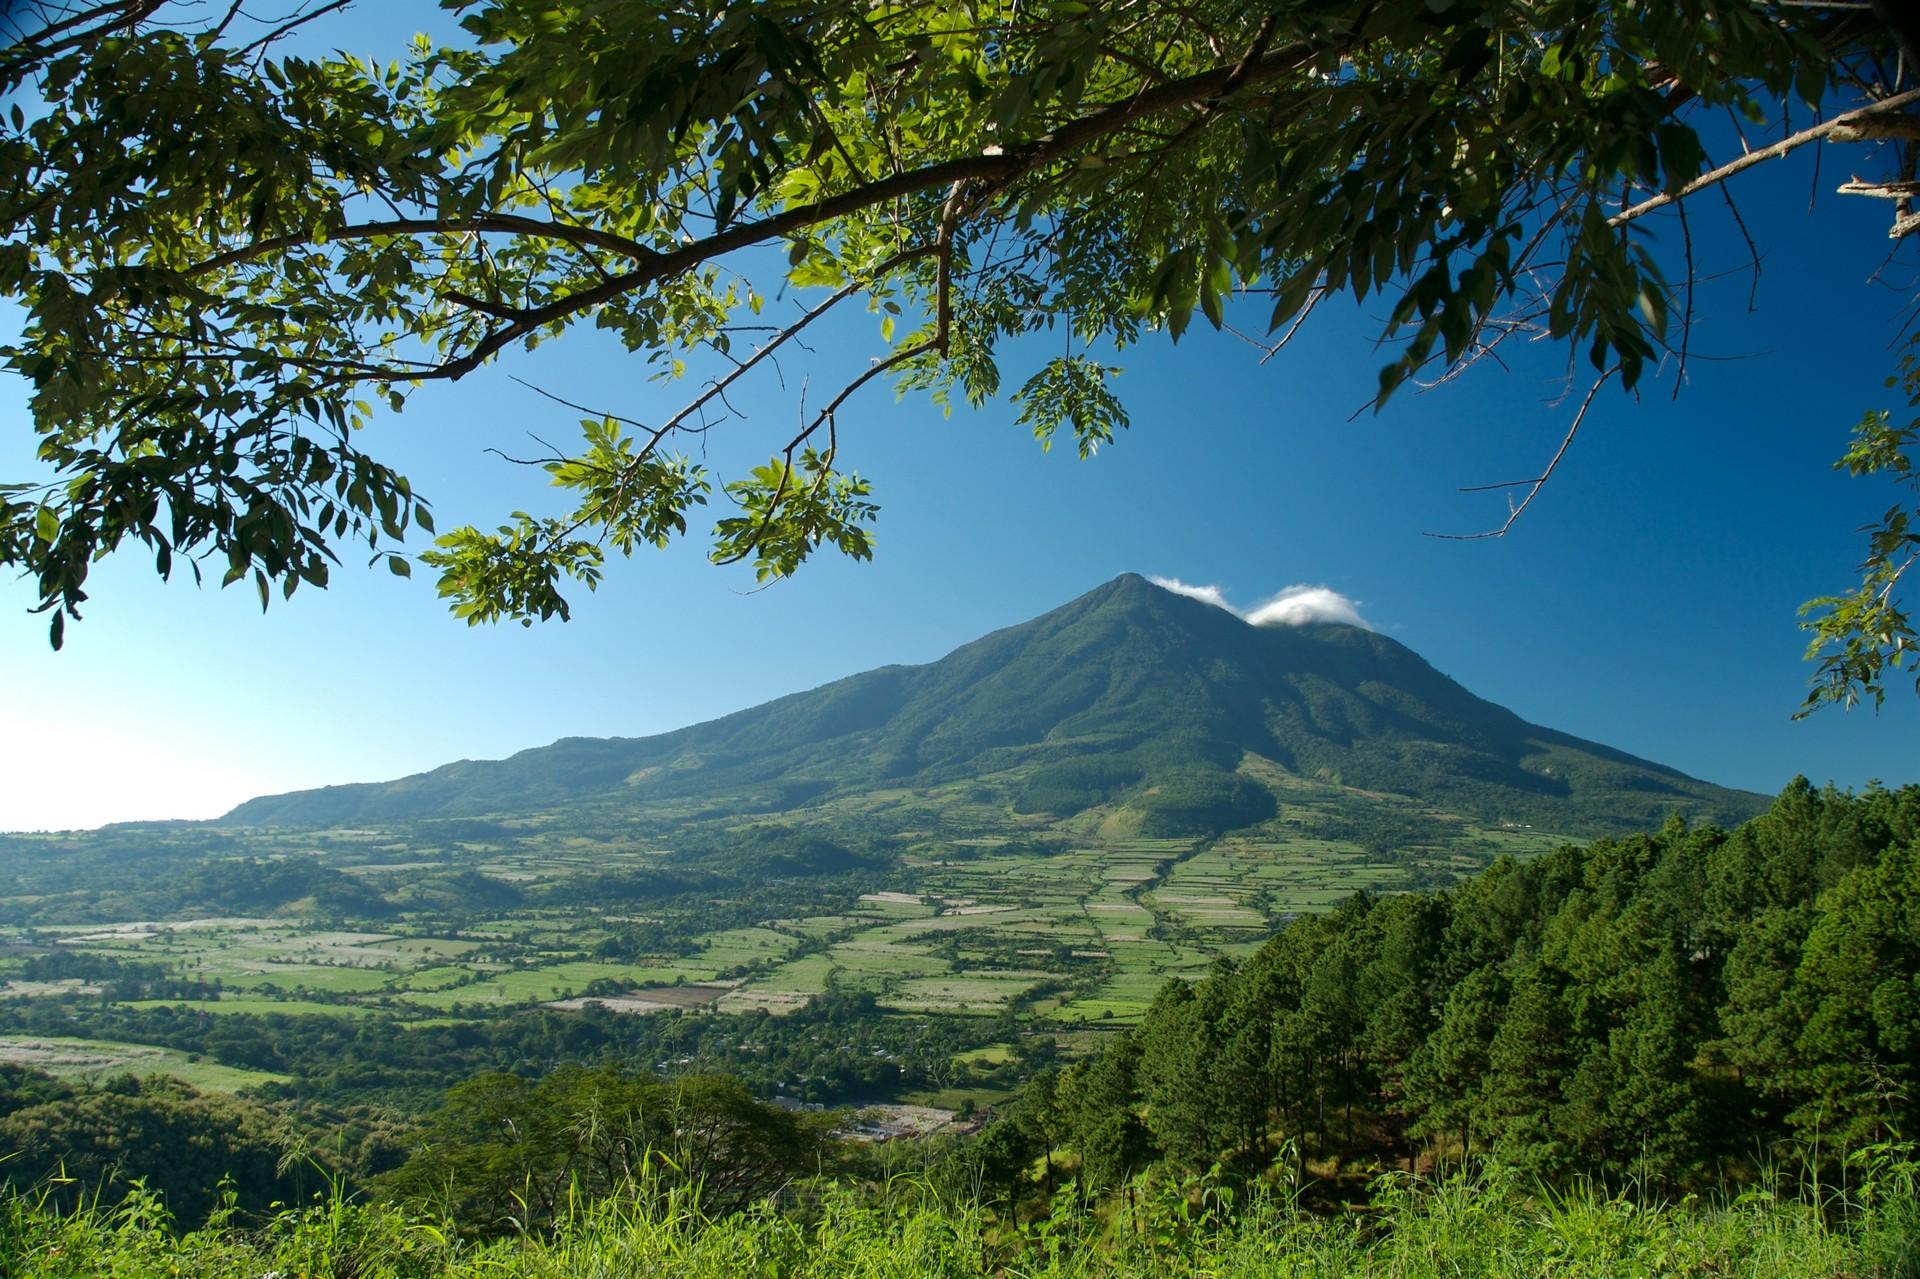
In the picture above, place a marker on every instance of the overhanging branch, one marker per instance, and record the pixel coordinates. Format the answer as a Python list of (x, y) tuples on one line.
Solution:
[(996, 169), (1784, 146)]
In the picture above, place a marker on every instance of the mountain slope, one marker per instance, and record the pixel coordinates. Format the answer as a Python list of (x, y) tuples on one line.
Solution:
[(1143, 683)]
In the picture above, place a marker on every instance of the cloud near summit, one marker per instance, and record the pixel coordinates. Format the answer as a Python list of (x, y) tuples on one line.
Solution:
[(1299, 605)]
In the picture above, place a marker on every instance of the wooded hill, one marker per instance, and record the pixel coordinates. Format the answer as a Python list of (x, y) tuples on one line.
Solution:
[(1683, 1008)]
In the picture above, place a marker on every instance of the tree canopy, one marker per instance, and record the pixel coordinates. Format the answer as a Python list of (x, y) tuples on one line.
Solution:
[(1674, 1008), (232, 258)]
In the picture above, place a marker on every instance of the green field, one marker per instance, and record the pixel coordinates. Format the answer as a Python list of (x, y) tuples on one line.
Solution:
[(96, 1059)]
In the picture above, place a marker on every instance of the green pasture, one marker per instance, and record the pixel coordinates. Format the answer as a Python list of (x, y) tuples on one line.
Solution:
[(438, 977), (973, 992), (1124, 996), (254, 1004), (817, 926), (556, 981), (103, 1058), (785, 988), (742, 947)]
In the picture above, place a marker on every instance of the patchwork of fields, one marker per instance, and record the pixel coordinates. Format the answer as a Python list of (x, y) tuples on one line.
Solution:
[(966, 941), (980, 926)]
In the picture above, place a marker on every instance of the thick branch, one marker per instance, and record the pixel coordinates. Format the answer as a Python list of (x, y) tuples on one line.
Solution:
[(500, 223), (998, 169), (1785, 145), (53, 38), (1883, 190)]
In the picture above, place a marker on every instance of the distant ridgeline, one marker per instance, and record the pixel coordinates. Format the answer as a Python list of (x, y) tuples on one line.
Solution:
[(1681, 1008)]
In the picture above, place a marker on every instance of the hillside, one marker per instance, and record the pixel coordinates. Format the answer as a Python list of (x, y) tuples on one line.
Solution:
[(1121, 693)]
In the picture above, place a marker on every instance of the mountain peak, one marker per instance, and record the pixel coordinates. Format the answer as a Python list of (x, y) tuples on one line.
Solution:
[(1133, 681)]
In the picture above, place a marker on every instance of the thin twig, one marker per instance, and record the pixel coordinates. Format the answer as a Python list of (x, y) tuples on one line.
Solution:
[(1686, 316), (1539, 482), (1753, 250), (719, 386), (578, 408), (292, 24)]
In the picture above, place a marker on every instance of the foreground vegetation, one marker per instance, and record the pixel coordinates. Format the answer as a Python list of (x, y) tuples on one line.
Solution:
[(1490, 1224)]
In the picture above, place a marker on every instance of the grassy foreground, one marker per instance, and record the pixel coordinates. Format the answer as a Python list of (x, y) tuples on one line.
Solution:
[(1486, 1225)]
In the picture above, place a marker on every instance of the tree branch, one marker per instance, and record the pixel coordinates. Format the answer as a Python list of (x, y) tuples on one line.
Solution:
[(53, 38), (1539, 481), (825, 415), (766, 349), (998, 168), (292, 23), (1792, 142), (498, 223)]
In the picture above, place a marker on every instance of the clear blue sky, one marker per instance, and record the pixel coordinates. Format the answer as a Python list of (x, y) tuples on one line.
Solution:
[(1647, 600)]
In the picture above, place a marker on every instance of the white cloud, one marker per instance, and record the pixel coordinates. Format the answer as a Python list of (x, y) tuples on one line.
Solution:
[(1205, 594), (1299, 605), (1307, 606)]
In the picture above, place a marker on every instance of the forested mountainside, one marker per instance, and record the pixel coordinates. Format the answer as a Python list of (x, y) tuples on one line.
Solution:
[(1678, 1008), (1128, 688)]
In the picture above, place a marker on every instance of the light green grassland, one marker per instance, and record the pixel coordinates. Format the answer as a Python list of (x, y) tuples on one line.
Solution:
[(987, 1056), (102, 1058), (557, 981), (973, 992)]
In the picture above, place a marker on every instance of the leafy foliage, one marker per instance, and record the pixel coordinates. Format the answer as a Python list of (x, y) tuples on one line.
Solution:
[(184, 1144), (233, 259), (1865, 636), (504, 1153)]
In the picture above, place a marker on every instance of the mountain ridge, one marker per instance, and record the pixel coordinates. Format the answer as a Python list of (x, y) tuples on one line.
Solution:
[(1139, 680)]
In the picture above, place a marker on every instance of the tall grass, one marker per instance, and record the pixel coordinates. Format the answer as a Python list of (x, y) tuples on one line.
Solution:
[(1487, 1224)]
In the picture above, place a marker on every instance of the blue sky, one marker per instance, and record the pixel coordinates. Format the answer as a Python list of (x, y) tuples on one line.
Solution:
[(1647, 600)]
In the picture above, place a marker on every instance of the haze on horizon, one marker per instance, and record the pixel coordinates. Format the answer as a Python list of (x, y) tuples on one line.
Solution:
[(199, 784)]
